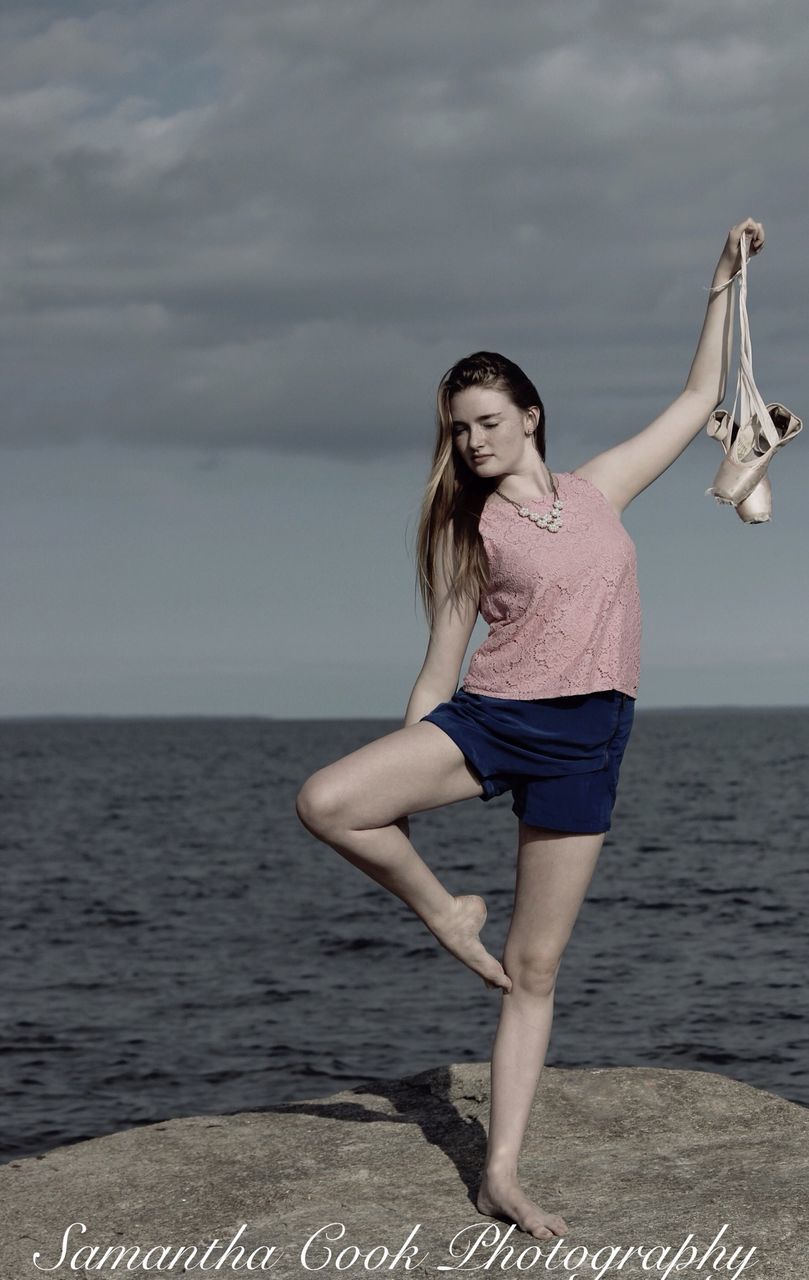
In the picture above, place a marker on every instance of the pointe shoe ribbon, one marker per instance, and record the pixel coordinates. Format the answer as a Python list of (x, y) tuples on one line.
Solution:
[(750, 442)]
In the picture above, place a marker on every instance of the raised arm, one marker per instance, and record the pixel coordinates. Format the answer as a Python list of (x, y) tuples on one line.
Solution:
[(625, 470)]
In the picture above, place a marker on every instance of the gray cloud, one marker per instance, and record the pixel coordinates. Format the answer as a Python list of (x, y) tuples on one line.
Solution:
[(241, 243), (277, 225)]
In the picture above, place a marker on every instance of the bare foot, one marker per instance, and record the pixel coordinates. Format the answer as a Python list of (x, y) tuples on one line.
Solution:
[(458, 932), (503, 1197)]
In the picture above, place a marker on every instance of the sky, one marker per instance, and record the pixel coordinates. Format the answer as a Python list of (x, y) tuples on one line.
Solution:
[(241, 244)]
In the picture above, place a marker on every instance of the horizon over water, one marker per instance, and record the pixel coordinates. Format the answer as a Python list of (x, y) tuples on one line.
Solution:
[(177, 943), (642, 706)]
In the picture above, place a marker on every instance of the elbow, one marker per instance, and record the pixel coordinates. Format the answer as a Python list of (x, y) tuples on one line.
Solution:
[(710, 400)]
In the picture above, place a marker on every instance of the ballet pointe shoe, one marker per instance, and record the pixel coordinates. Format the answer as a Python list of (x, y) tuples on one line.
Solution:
[(749, 450), (749, 443), (757, 507)]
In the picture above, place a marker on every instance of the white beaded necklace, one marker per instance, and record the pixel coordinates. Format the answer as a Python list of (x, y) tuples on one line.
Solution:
[(552, 520)]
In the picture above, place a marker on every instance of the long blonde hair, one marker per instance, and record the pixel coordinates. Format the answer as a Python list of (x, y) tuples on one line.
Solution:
[(454, 496)]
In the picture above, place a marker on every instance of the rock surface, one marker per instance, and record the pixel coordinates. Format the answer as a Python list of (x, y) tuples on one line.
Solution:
[(632, 1158)]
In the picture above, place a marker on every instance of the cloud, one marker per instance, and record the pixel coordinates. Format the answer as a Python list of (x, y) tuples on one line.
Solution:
[(237, 224)]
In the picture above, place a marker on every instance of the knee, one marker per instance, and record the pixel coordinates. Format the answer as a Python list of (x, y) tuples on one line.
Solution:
[(318, 805), (533, 972)]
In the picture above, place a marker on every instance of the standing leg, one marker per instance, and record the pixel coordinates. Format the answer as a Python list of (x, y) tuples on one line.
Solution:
[(554, 870)]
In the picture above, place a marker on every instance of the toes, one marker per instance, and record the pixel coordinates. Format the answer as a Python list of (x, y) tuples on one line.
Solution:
[(503, 985), (499, 976), (552, 1226), (493, 973)]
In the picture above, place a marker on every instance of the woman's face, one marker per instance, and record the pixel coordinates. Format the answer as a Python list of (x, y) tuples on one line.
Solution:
[(488, 430)]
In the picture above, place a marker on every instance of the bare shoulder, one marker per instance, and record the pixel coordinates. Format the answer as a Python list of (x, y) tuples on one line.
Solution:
[(597, 472)]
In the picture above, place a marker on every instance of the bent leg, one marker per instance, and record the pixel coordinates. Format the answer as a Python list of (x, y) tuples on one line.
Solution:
[(408, 771), (554, 870), (359, 806)]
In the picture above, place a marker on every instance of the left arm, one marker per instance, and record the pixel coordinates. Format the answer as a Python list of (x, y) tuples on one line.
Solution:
[(621, 473)]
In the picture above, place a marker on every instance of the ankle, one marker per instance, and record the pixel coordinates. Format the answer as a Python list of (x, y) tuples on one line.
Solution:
[(440, 916), (500, 1169)]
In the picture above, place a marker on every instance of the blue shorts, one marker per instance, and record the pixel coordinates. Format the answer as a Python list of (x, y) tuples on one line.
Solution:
[(559, 757)]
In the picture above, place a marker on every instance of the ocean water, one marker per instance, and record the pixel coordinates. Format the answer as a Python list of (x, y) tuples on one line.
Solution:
[(176, 943)]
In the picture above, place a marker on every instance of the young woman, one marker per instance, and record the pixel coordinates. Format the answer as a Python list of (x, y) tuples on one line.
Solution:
[(547, 703)]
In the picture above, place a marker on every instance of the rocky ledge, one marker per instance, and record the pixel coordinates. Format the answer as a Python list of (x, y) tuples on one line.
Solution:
[(657, 1172)]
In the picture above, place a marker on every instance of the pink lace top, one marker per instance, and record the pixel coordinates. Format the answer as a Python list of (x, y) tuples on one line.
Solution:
[(563, 608)]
